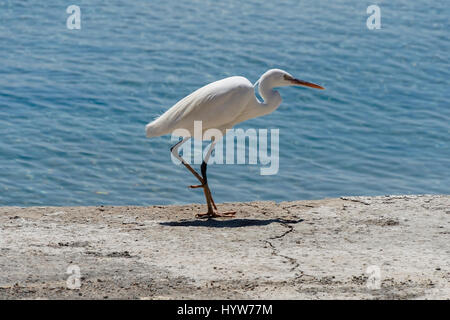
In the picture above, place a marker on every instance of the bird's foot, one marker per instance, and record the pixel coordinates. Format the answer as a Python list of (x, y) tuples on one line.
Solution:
[(197, 186), (215, 214)]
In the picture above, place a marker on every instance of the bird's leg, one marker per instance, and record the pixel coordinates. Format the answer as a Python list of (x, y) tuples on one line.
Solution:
[(205, 186), (203, 180), (206, 190), (174, 151), (209, 199)]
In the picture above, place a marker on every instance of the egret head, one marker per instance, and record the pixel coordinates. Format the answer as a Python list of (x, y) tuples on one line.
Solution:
[(281, 78)]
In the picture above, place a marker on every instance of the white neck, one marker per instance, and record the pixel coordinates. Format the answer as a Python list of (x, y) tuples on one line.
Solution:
[(256, 108), (272, 98)]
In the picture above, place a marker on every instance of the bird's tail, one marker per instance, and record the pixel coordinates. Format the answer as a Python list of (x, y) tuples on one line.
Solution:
[(153, 129)]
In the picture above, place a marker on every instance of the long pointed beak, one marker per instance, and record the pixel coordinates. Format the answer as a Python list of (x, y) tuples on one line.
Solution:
[(298, 82)]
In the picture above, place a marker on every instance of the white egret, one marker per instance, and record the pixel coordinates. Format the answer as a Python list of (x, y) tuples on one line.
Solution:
[(221, 105)]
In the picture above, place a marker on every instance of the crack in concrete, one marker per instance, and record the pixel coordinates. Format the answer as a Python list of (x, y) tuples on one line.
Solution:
[(356, 200), (290, 229), (299, 205), (293, 261)]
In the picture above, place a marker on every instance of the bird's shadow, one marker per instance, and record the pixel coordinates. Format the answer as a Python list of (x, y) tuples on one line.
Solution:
[(232, 223)]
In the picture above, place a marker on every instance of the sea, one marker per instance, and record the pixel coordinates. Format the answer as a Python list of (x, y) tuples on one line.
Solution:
[(78, 87)]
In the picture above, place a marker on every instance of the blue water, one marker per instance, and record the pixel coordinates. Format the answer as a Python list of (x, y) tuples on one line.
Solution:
[(74, 103)]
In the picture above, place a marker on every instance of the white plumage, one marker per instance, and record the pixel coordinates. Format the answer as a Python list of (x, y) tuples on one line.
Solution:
[(221, 105), (217, 105), (224, 103)]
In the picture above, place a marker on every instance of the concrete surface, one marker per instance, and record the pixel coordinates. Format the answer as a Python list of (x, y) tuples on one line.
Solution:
[(291, 250)]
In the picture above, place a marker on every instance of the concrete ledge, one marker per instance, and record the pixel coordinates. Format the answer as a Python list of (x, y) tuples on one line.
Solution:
[(291, 250)]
